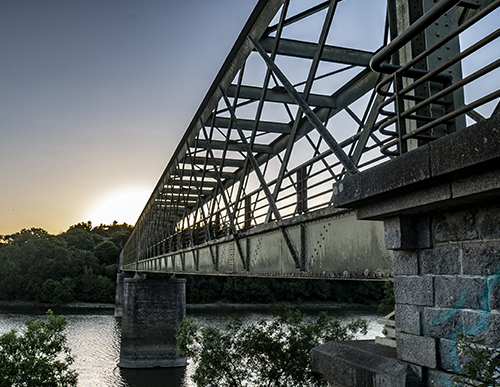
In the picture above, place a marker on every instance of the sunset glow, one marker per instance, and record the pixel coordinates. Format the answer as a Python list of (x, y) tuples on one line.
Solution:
[(123, 205)]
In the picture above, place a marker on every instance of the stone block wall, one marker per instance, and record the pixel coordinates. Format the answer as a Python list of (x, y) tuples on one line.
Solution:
[(440, 205), (448, 284)]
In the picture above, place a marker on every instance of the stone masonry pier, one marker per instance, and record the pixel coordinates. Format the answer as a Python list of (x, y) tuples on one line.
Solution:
[(440, 205), (152, 310)]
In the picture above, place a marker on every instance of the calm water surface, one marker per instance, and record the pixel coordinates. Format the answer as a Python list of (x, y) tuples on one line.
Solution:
[(94, 338)]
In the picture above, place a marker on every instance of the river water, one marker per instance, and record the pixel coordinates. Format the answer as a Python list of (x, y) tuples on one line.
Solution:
[(94, 338)]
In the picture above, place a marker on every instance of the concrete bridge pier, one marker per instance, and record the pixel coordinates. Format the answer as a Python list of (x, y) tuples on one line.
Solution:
[(152, 310), (440, 205), (120, 285)]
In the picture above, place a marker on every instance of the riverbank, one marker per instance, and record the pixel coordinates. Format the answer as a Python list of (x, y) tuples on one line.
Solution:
[(212, 306), (302, 306), (76, 305)]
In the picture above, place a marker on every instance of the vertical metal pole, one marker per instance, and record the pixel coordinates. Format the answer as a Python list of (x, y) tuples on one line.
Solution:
[(301, 190), (248, 211)]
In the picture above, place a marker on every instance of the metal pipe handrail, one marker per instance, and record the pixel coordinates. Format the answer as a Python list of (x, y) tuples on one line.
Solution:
[(445, 118), (440, 98), (403, 92), (407, 113)]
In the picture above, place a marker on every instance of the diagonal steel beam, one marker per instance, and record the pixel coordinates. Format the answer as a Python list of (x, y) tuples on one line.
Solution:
[(307, 89), (262, 181), (369, 125), (311, 116), (298, 17), (261, 103)]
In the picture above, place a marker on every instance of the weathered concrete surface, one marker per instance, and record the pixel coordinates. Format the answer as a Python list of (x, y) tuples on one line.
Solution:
[(152, 311), (120, 285), (454, 171), (362, 363), (441, 213)]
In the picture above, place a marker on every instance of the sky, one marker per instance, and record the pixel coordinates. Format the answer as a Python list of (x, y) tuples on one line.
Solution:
[(95, 95), (94, 98)]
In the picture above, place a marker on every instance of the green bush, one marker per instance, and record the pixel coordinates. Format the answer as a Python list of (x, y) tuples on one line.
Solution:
[(38, 358), (57, 292), (481, 363), (266, 353)]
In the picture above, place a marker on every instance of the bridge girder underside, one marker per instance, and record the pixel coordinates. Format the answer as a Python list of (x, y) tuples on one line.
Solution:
[(292, 110)]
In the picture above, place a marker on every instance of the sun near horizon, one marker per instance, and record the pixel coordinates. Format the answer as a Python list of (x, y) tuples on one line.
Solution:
[(122, 205)]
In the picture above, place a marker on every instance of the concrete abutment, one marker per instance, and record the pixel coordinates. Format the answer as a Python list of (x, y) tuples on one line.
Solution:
[(440, 205)]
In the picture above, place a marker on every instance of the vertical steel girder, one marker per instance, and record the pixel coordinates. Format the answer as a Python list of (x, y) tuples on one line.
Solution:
[(270, 138)]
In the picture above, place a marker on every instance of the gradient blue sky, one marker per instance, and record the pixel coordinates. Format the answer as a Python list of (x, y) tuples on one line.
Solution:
[(94, 97), (96, 94)]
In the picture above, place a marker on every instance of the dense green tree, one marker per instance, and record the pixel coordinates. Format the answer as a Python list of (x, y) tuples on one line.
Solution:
[(79, 238), (87, 285), (38, 358), (57, 292), (35, 265), (105, 290), (86, 226), (267, 353), (23, 236), (107, 253), (119, 238)]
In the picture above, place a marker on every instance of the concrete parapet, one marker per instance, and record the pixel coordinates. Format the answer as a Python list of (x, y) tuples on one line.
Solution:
[(362, 363), (152, 311)]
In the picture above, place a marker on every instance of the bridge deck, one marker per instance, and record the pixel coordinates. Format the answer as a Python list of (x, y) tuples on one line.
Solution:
[(332, 244)]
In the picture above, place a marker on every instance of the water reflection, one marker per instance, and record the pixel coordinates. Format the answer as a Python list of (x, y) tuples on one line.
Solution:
[(94, 338), (156, 377)]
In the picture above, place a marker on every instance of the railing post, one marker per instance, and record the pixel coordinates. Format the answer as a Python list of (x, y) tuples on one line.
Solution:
[(248, 211), (302, 190)]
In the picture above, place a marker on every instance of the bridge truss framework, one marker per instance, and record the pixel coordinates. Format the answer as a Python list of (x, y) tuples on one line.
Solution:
[(248, 189)]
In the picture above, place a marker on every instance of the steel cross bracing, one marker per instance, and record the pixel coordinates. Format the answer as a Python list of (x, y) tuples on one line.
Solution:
[(248, 188)]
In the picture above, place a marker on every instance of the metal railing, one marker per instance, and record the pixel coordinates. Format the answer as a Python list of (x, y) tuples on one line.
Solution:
[(416, 117)]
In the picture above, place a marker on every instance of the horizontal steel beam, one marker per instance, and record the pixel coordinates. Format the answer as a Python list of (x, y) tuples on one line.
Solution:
[(279, 95), (307, 50), (185, 183), (335, 247), (264, 126), (183, 191), (227, 162), (200, 173), (234, 146)]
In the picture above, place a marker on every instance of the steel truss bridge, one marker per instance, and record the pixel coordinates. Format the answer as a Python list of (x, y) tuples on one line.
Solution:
[(296, 108)]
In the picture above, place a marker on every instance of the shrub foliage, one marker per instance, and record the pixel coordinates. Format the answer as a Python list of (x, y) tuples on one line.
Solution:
[(38, 358), (267, 353)]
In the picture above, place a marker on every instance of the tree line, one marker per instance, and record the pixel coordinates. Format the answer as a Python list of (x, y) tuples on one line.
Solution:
[(79, 264), (211, 289)]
